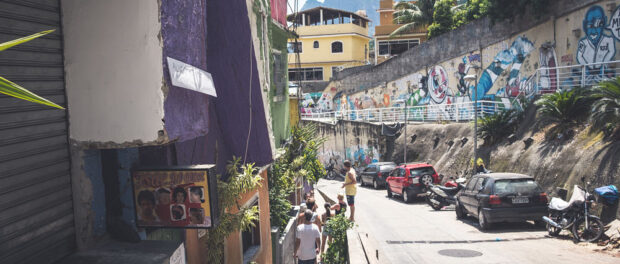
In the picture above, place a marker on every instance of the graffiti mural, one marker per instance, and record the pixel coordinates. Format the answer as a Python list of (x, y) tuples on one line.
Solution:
[(363, 155), (596, 46), (512, 57), (548, 71), (438, 85)]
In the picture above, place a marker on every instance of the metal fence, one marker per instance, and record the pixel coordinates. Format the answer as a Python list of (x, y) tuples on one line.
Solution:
[(551, 79), (427, 113)]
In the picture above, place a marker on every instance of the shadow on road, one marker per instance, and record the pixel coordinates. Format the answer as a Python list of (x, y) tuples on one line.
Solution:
[(504, 227)]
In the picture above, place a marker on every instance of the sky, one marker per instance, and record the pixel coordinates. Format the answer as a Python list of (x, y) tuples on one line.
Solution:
[(300, 3)]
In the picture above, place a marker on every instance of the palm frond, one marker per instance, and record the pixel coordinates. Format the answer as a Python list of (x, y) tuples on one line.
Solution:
[(18, 41), (12, 89)]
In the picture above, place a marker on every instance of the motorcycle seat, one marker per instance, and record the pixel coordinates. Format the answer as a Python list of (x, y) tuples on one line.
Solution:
[(447, 189), (558, 204)]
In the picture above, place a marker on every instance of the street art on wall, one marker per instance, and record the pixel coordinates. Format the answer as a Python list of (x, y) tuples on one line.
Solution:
[(597, 47), (508, 72), (363, 155)]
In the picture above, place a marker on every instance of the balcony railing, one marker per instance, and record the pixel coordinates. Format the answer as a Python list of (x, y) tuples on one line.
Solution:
[(456, 112)]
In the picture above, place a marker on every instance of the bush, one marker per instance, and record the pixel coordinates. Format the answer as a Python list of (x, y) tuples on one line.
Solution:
[(605, 114), (337, 252), (565, 109), (495, 127)]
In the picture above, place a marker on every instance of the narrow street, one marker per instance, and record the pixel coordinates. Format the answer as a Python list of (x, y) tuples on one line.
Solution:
[(415, 233)]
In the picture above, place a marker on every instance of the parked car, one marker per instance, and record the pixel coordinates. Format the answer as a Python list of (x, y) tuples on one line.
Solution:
[(502, 197), (376, 173), (411, 180)]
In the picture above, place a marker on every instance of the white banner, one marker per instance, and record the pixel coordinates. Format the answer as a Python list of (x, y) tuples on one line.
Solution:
[(189, 77)]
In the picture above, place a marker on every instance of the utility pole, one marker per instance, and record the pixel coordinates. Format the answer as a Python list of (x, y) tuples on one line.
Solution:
[(469, 78)]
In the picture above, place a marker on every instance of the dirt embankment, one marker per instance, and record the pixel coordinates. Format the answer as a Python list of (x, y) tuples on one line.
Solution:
[(554, 163)]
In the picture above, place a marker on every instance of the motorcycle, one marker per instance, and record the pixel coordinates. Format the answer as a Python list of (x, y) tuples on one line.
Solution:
[(574, 215), (439, 196)]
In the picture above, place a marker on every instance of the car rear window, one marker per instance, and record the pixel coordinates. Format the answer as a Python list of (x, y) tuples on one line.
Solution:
[(422, 171), (387, 167), (516, 186)]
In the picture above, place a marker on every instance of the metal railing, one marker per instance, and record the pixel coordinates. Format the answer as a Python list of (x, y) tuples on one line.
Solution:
[(455, 112), (544, 80), (549, 80)]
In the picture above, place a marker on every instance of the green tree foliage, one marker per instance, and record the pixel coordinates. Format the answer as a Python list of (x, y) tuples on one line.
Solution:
[(242, 179), (338, 249), (300, 159), (500, 10), (605, 114), (442, 18), (496, 127), (565, 109), (410, 15), (12, 89), (472, 10)]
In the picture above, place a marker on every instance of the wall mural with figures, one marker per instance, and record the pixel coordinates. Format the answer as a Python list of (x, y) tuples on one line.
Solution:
[(509, 71)]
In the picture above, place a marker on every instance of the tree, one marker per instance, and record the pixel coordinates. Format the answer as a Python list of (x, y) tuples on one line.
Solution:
[(411, 15), (12, 89), (442, 18), (605, 114), (472, 10)]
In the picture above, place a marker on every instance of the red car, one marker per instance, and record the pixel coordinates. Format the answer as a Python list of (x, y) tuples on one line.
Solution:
[(411, 180)]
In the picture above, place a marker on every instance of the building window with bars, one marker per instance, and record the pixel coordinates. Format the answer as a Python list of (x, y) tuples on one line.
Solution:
[(336, 47), (305, 74), (395, 47)]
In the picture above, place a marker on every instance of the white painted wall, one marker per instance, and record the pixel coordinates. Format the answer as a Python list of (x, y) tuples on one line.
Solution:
[(114, 71)]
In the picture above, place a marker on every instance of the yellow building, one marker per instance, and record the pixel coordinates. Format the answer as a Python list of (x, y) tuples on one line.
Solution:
[(387, 47), (329, 40)]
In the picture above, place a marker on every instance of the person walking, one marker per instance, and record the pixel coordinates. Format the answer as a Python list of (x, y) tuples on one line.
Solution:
[(306, 239), (350, 187)]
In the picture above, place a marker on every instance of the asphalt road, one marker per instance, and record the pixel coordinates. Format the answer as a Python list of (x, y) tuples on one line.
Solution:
[(415, 233)]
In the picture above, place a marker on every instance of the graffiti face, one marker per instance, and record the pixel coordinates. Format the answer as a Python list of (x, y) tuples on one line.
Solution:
[(438, 84), (594, 23)]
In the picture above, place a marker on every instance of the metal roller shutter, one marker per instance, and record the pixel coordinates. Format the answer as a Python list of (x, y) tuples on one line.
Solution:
[(36, 208)]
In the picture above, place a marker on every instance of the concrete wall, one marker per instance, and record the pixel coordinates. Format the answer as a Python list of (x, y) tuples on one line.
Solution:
[(357, 142), (114, 71), (508, 53)]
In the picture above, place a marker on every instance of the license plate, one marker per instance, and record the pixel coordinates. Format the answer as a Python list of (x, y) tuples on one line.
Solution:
[(520, 200)]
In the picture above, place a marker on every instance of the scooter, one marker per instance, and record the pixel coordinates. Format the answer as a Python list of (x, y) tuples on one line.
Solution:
[(439, 196), (574, 215)]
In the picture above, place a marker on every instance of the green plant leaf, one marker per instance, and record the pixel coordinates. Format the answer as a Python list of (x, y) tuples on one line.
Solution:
[(18, 41), (12, 89)]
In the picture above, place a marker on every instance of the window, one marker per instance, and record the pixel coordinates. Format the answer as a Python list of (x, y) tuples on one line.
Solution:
[(514, 186), (250, 239), (422, 171), (279, 69), (294, 47), (471, 184), (336, 47), (395, 47), (315, 44), (401, 172), (305, 74)]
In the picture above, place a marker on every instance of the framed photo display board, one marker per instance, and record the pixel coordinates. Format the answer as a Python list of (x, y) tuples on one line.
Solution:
[(175, 196)]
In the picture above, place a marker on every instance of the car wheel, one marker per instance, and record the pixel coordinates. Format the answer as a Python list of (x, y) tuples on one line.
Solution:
[(361, 181), (458, 208), (482, 221), (426, 180), (374, 184), (389, 191), (406, 198)]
